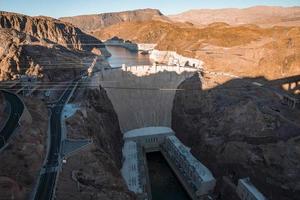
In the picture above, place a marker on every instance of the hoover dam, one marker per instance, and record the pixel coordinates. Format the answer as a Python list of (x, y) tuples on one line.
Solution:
[(105, 102), (142, 97)]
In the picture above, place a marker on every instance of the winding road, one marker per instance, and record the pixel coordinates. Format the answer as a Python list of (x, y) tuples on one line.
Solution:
[(17, 108)]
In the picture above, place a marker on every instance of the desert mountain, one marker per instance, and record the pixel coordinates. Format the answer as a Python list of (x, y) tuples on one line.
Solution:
[(260, 15), (38, 45), (51, 30), (243, 50), (97, 21)]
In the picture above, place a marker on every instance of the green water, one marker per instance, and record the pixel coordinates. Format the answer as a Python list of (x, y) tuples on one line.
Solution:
[(164, 183)]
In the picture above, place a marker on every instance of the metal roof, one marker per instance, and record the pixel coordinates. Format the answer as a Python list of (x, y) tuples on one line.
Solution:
[(148, 131)]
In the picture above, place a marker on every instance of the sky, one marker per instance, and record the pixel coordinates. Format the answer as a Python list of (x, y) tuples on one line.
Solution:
[(60, 8)]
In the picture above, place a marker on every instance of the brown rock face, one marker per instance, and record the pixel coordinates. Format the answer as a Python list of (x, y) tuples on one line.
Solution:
[(245, 50), (241, 131), (51, 30), (94, 172), (45, 48), (25, 54), (94, 22)]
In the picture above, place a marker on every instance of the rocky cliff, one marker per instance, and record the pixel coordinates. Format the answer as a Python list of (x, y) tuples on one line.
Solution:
[(94, 22), (51, 31), (45, 48), (240, 130), (94, 172)]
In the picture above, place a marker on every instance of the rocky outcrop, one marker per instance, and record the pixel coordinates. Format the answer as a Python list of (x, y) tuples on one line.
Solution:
[(141, 47), (51, 31), (173, 58), (115, 41), (94, 22), (44, 48), (21, 55), (95, 171), (238, 130)]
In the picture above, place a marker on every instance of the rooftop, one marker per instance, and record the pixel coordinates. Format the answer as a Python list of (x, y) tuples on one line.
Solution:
[(147, 132), (202, 171)]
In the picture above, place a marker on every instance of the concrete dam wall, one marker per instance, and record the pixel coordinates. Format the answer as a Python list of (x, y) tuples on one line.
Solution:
[(142, 96)]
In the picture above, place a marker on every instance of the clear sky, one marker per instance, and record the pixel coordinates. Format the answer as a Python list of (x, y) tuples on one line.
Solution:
[(60, 8)]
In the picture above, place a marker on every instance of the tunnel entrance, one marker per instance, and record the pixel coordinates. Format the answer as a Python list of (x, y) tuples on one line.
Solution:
[(163, 181)]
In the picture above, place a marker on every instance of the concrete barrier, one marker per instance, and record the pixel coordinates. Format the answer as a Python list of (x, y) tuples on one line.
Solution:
[(143, 70)]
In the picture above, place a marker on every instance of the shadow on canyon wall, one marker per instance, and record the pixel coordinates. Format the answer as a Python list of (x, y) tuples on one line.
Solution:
[(239, 129)]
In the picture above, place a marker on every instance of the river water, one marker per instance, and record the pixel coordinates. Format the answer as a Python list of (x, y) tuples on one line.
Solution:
[(163, 181), (121, 56)]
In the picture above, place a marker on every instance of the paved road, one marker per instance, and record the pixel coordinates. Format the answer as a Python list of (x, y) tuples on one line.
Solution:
[(17, 108), (47, 180)]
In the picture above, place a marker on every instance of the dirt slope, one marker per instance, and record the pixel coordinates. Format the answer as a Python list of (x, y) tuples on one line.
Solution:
[(260, 15)]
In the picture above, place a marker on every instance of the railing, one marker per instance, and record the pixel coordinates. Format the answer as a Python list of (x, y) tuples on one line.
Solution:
[(154, 69)]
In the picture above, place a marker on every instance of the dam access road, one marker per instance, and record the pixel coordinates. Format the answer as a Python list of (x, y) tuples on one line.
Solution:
[(47, 181)]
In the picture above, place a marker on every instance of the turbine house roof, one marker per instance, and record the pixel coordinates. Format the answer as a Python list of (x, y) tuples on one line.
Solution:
[(149, 131)]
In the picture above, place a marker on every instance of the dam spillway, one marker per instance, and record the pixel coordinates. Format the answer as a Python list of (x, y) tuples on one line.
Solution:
[(142, 96)]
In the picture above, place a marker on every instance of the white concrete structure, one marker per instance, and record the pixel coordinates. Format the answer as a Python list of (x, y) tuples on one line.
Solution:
[(247, 191), (142, 96), (195, 177), (173, 58), (146, 47), (145, 70), (130, 169), (150, 138), (196, 174)]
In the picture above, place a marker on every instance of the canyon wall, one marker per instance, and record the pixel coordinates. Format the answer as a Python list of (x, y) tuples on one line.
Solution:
[(51, 30), (45, 48), (94, 172), (238, 130)]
